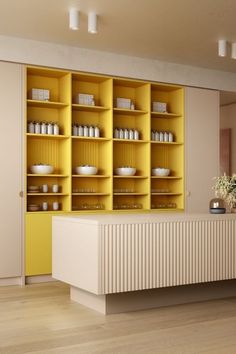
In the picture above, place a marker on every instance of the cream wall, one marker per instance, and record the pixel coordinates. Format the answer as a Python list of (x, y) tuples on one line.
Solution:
[(228, 120), (61, 56)]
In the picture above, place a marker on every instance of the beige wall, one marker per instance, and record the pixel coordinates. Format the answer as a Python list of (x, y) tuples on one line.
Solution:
[(61, 56), (228, 120), (201, 147)]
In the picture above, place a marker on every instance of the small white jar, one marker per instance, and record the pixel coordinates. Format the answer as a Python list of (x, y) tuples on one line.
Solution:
[(55, 206), (49, 129), (37, 129), (96, 132), (55, 188), (43, 128), (86, 131), (30, 127), (45, 206)]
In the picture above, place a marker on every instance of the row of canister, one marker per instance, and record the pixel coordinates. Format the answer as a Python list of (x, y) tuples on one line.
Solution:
[(51, 128), (131, 134), (162, 136), (85, 130)]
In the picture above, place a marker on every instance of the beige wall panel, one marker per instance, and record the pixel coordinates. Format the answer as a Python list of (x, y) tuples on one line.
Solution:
[(11, 169), (202, 147)]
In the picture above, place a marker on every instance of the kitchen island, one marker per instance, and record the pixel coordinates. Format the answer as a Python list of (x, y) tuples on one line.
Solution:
[(116, 262)]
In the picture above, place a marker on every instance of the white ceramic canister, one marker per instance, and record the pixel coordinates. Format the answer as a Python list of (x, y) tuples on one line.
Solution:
[(136, 134), (91, 131), (121, 134), (56, 129), (86, 131), (131, 134), (153, 135), (166, 136), (161, 136), (126, 134), (55, 206), (157, 136), (117, 133), (74, 130), (171, 137), (49, 128), (80, 130), (43, 128), (96, 132), (44, 188), (37, 128), (30, 127), (55, 188), (45, 206)]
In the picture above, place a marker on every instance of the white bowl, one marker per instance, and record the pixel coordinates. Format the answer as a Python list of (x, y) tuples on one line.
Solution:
[(158, 171), (42, 169), (86, 170), (125, 171)]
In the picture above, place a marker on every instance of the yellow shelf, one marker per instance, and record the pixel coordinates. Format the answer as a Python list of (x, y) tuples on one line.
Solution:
[(88, 108), (93, 194), (166, 142), (130, 193), (135, 177), (165, 115), (46, 104), (129, 141), (47, 136), (84, 138), (91, 176), (166, 194), (133, 112), (166, 177), (46, 175), (47, 194)]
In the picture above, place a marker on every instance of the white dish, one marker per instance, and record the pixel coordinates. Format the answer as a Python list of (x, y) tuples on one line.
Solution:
[(158, 171), (86, 170), (125, 171), (42, 169)]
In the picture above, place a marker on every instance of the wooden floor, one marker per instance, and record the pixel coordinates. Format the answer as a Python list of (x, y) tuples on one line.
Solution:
[(41, 319)]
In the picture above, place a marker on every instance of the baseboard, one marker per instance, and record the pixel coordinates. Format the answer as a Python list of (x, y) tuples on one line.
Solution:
[(35, 279), (12, 281)]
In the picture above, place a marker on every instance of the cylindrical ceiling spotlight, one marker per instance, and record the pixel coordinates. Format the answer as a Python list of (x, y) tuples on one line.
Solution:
[(92, 22), (233, 51), (74, 19), (222, 47)]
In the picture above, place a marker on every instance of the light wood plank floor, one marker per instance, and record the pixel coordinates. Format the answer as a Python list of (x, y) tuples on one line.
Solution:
[(41, 319)]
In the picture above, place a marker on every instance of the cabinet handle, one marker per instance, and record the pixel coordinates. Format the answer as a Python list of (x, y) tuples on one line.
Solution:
[(21, 194)]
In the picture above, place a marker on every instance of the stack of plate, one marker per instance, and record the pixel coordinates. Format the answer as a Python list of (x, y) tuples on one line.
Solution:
[(33, 207), (33, 189)]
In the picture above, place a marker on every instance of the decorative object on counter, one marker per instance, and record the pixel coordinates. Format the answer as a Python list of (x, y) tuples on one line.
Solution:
[(125, 171), (39, 94), (162, 136), (42, 169), (159, 171), (159, 107), (124, 103), (217, 206), (50, 128), (125, 133), (86, 170), (225, 188), (85, 99), (85, 130)]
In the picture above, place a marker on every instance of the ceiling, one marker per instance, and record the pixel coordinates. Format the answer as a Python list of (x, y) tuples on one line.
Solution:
[(179, 31)]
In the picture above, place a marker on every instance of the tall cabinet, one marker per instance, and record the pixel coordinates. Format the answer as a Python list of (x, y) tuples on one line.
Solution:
[(104, 191)]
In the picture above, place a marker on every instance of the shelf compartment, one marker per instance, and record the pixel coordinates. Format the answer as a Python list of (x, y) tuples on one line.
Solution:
[(94, 186), (63, 201), (168, 202), (93, 153), (130, 202), (128, 112), (168, 156), (139, 122), (103, 120), (88, 108), (49, 151), (89, 202)]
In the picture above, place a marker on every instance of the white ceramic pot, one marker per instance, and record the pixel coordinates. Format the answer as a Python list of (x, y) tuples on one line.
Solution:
[(42, 169), (125, 171), (86, 170)]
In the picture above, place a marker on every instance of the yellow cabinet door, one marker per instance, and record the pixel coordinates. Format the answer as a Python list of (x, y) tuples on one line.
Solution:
[(38, 252)]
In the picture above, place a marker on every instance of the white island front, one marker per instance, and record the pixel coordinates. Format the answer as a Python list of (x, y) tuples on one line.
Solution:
[(116, 262)]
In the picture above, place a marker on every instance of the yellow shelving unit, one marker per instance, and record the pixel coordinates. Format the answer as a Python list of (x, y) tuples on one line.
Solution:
[(105, 191)]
